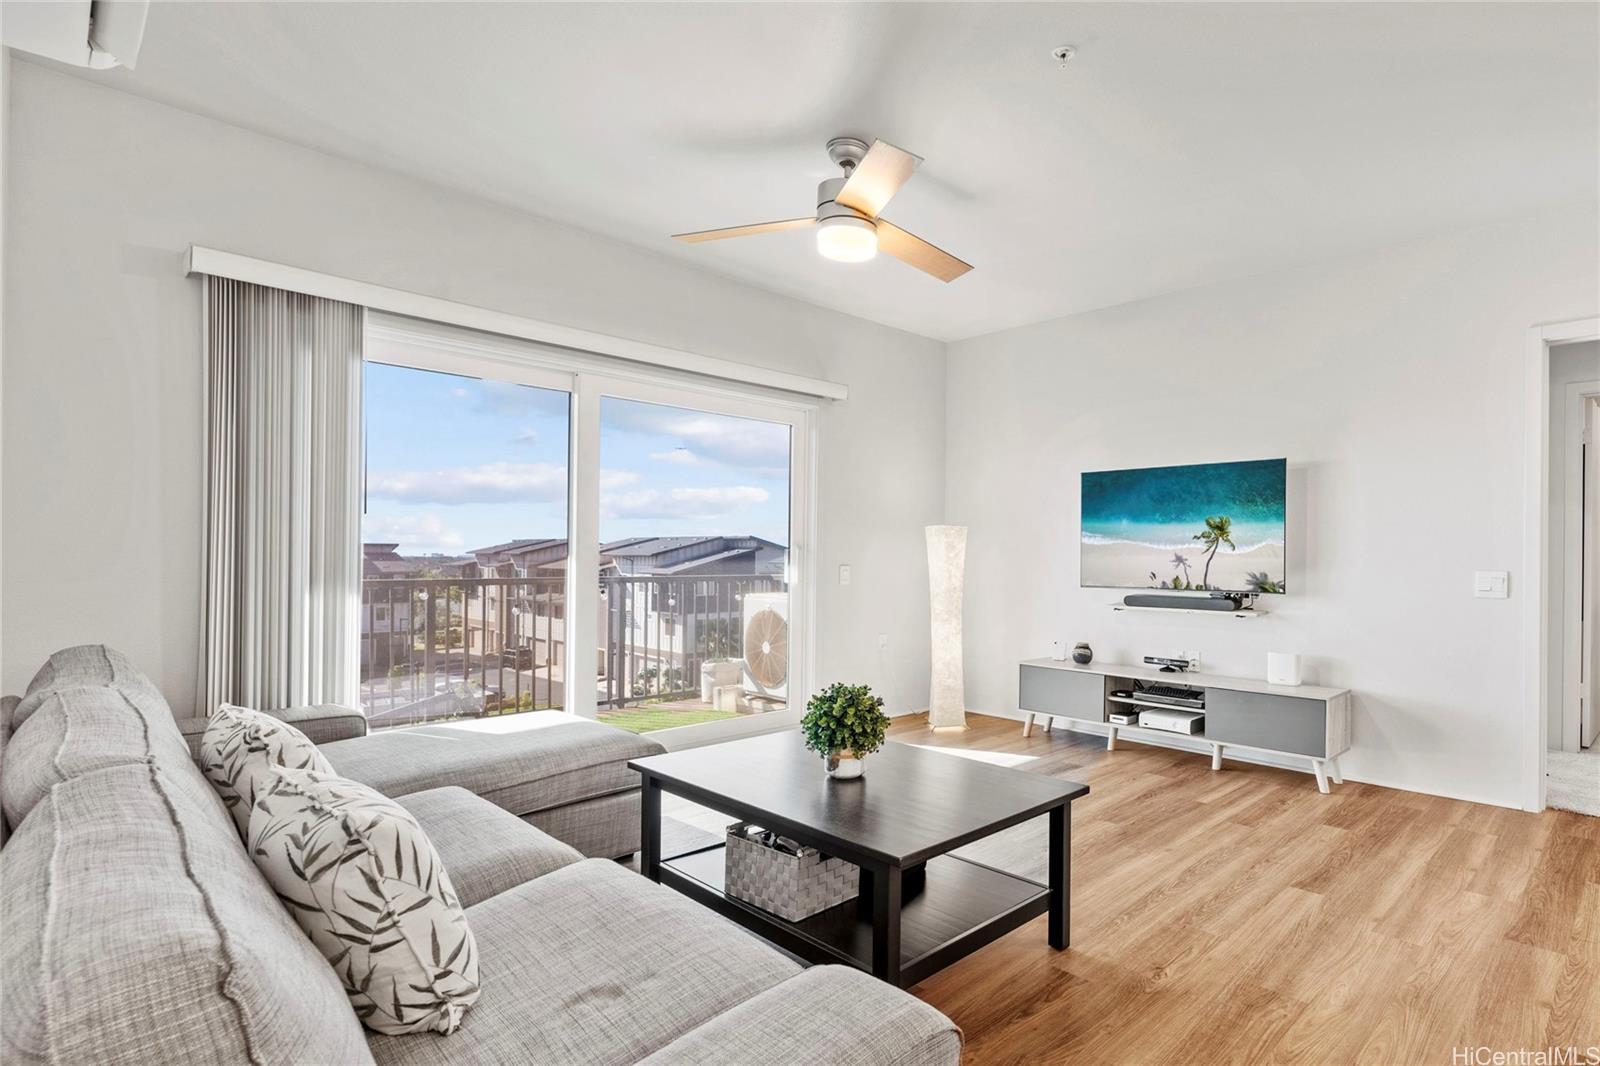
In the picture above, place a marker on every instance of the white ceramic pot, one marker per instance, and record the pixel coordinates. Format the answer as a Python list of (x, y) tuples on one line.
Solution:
[(845, 765)]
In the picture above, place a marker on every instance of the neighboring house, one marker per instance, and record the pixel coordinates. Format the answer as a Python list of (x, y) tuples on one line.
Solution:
[(520, 613), (690, 555), (666, 605), (389, 610)]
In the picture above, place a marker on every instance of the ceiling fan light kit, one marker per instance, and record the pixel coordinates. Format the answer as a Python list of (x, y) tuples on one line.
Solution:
[(850, 228), (846, 239)]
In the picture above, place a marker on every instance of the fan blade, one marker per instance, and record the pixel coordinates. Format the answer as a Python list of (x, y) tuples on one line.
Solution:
[(744, 231), (879, 176), (909, 248)]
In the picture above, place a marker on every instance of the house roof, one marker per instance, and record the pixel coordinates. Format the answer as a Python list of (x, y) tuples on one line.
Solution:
[(511, 547), (646, 546), (704, 560)]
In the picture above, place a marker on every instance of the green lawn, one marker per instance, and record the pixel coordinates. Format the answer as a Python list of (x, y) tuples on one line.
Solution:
[(646, 719)]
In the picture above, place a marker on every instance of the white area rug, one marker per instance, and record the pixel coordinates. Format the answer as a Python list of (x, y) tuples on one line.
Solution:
[(1572, 781)]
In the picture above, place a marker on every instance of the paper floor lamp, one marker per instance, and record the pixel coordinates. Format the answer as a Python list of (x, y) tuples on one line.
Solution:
[(947, 563)]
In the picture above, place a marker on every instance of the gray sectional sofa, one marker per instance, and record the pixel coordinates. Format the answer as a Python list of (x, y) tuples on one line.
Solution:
[(135, 928)]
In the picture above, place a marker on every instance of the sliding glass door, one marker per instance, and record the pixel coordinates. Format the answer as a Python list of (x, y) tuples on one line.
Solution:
[(694, 565), (464, 539), (486, 458)]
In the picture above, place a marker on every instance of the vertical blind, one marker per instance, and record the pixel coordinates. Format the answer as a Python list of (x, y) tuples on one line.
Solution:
[(282, 583)]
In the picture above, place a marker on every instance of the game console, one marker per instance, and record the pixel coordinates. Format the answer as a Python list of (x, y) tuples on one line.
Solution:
[(1172, 720)]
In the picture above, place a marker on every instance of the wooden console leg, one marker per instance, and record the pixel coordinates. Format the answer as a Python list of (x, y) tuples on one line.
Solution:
[(1027, 724), (1111, 739), (1322, 776), (1048, 722), (1334, 771), (1216, 756)]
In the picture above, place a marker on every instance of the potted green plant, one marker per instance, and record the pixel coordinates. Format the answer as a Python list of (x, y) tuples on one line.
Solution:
[(844, 724)]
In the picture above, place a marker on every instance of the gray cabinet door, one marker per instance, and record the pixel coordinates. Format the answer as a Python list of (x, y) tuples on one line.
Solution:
[(1261, 720), (1064, 692)]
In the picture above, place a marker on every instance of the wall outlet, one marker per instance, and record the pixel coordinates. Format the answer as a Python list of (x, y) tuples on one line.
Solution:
[(844, 573), (883, 642)]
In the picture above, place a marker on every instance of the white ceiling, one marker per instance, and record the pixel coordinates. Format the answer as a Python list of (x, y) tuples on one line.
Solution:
[(1186, 143)]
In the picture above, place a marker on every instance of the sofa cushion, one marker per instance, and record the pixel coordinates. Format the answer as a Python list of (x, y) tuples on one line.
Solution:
[(367, 886), (522, 762), (606, 827), (77, 731), (136, 930), (487, 850), (827, 1016), (88, 664), (241, 748), (594, 964), (324, 722)]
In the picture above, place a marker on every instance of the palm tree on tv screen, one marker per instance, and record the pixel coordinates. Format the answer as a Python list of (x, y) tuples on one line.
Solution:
[(1218, 531)]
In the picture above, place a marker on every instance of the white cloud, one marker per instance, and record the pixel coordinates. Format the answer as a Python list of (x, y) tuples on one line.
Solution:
[(506, 398), (487, 483), (678, 457), (683, 503), (527, 435), (747, 443), (417, 534)]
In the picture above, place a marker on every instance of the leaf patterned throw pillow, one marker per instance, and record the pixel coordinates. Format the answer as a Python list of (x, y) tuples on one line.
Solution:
[(365, 883), (241, 748)]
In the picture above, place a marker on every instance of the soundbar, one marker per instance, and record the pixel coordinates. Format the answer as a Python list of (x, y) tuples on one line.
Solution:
[(1184, 603)]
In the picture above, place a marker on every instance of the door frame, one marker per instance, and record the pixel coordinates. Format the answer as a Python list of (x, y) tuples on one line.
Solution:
[(1535, 533), (1575, 408), (587, 377)]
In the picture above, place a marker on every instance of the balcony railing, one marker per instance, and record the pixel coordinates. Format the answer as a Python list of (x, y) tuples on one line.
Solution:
[(437, 648), (659, 631)]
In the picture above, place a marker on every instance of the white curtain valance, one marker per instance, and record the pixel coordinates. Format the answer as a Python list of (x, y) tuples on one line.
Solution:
[(282, 582), (211, 262)]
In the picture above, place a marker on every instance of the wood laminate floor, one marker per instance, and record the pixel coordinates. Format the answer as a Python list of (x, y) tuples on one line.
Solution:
[(1240, 916)]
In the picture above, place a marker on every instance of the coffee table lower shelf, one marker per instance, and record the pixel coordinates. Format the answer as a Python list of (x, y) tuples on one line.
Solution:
[(962, 906)]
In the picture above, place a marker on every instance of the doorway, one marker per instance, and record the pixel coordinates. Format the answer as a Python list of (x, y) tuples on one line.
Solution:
[(1571, 770)]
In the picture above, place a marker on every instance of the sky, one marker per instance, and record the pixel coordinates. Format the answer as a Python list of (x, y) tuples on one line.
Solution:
[(457, 463)]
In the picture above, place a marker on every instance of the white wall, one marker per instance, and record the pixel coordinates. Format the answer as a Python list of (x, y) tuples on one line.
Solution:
[(102, 434), (1393, 383), (5, 167), (1569, 364)]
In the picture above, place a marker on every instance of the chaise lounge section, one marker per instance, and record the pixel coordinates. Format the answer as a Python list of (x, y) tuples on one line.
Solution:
[(563, 774), (137, 929)]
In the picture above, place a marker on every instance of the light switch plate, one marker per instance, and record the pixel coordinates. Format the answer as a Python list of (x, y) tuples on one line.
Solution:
[(1491, 584), (844, 573)]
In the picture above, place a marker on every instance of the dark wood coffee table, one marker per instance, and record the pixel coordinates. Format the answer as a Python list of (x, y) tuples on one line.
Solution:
[(920, 908)]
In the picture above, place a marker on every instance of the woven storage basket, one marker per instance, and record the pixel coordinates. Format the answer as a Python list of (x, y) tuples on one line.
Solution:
[(791, 886)]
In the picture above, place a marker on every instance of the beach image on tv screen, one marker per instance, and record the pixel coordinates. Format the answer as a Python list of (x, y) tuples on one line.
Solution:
[(1209, 527)]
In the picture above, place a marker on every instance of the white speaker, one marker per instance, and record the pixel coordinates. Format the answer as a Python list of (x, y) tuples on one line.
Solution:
[(1283, 668)]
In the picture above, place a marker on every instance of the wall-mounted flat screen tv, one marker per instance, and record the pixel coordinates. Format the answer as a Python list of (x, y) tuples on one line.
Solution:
[(1211, 527)]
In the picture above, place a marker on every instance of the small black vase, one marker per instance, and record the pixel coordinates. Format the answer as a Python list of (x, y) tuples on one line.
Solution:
[(1082, 654)]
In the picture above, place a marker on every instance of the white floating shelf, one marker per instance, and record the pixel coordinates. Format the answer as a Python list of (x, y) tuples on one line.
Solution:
[(1254, 612)]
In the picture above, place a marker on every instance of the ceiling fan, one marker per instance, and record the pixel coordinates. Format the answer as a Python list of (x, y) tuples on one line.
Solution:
[(849, 227)]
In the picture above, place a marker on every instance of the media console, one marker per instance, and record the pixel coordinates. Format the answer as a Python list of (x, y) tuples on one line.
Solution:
[(1301, 721)]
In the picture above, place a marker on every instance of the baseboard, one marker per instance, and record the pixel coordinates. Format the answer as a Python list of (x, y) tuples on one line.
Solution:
[(1178, 743)]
